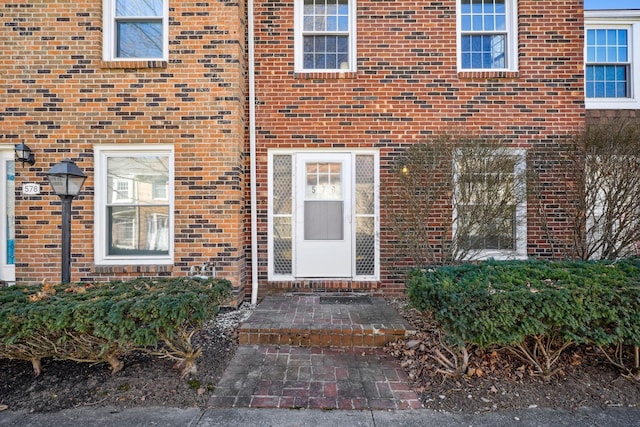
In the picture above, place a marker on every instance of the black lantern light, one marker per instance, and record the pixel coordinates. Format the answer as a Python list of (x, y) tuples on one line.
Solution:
[(24, 154), (66, 179)]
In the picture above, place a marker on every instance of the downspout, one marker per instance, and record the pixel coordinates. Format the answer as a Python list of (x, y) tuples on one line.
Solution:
[(252, 155)]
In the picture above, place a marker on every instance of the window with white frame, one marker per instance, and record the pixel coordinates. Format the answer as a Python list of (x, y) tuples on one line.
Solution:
[(612, 41), (490, 205), (607, 63), (135, 29), (325, 35), (133, 225), (487, 35)]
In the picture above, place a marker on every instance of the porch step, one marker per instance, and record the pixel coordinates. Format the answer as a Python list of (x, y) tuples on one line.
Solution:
[(352, 320)]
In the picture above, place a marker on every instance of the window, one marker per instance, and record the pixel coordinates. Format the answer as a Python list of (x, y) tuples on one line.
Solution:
[(487, 34), (135, 29), (607, 68), (612, 40), (325, 35), (490, 205), (134, 214)]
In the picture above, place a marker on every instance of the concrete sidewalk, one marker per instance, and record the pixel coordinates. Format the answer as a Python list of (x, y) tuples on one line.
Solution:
[(246, 417)]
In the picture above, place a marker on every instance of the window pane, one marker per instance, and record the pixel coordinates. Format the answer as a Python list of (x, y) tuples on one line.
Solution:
[(139, 40), (282, 190), (282, 255), (323, 220), (466, 23), (140, 230), (138, 7), (486, 199), (343, 23), (486, 51), (326, 52), (606, 81), (364, 185), (136, 180), (10, 211), (622, 37), (365, 246), (488, 23), (332, 23)]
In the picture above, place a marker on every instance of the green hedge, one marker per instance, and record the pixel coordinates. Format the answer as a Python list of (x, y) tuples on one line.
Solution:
[(505, 303), (102, 322)]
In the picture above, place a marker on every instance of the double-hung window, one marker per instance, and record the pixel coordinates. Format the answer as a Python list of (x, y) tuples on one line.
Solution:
[(325, 35), (607, 63), (135, 30), (487, 35), (612, 42), (133, 204), (490, 205)]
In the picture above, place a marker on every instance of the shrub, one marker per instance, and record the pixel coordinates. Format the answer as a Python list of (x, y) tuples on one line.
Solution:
[(103, 322), (536, 308)]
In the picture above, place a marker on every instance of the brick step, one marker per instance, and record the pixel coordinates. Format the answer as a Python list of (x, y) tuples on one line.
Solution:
[(326, 320), (334, 337)]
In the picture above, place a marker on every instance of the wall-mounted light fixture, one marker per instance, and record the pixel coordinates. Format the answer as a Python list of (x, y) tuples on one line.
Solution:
[(24, 154)]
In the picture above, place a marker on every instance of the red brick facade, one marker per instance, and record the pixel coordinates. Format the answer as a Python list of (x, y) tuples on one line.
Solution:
[(59, 97), (407, 87)]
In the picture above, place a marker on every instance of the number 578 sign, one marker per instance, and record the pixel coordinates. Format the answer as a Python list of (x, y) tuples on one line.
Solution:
[(30, 188)]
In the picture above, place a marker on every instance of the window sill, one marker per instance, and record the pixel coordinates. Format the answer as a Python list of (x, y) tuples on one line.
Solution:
[(133, 65), (150, 268), (611, 104), (325, 75), (487, 74)]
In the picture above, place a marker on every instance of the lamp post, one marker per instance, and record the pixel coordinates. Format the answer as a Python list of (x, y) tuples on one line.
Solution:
[(66, 179)]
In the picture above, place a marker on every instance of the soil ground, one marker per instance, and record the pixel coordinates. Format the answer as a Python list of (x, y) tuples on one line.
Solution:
[(499, 381)]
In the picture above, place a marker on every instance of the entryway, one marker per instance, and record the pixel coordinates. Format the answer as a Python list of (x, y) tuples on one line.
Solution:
[(323, 215)]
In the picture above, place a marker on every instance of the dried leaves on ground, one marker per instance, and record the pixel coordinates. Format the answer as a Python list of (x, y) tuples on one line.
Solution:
[(490, 380)]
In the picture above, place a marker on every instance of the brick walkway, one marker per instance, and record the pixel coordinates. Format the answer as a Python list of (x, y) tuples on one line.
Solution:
[(354, 376)]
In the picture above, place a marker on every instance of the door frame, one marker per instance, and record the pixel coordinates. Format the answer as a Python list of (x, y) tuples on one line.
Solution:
[(293, 154), (7, 271)]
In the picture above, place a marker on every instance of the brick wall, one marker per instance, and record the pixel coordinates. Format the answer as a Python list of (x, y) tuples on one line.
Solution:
[(406, 88), (60, 98)]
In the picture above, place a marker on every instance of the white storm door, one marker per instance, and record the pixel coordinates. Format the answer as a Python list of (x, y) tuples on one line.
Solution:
[(323, 245), (7, 216)]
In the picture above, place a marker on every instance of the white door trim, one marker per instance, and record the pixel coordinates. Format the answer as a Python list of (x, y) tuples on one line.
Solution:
[(7, 271), (285, 264)]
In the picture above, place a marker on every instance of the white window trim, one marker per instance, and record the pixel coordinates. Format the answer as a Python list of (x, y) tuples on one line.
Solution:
[(628, 19), (299, 45), (272, 277), (520, 251), (511, 55), (109, 33), (101, 152), (7, 271)]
